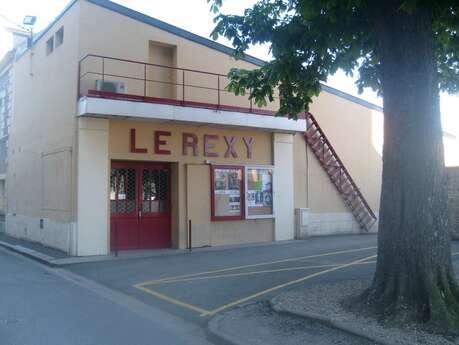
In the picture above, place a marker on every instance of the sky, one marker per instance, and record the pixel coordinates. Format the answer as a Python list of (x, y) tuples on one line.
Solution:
[(194, 16)]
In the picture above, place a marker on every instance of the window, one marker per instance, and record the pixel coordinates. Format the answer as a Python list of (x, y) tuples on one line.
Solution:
[(59, 37), (227, 191), (123, 191), (49, 46), (259, 195)]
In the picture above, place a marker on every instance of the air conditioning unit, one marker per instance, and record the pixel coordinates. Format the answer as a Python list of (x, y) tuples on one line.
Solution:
[(110, 86)]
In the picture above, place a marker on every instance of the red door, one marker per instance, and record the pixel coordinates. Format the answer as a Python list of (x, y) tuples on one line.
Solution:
[(140, 205)]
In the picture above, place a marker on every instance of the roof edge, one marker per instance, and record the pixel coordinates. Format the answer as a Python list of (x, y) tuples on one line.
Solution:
[(48, 27), (351, 98), (54, 21)]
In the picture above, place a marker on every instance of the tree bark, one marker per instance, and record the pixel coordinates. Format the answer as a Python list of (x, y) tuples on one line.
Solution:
[(414, 279)]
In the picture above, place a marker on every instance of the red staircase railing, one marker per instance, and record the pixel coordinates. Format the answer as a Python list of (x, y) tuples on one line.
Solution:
[(338, 174)]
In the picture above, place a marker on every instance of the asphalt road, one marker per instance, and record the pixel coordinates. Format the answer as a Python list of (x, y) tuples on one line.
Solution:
[(195, 286), (39, 305), (165, 299)]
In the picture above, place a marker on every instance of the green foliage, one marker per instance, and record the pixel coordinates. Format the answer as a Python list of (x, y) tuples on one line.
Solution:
[(311, 39)]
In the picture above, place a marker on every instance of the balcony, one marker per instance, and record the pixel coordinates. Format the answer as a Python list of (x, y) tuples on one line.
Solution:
[(119, 88)]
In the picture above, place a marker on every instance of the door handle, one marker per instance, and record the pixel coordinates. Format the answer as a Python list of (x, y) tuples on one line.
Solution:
[(140, 213)]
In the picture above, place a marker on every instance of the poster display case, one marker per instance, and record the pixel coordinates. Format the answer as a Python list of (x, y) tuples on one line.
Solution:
[(227, 192), (259, 192), (241, 192)]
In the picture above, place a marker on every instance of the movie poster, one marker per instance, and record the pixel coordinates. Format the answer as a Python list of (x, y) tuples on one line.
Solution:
[(227, 189), (259, 192)]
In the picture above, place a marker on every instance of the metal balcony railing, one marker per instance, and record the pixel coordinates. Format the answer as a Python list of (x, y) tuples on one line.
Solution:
[(122, 79)]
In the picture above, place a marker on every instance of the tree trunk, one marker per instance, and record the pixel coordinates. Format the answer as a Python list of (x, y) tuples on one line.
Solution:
[(414, 279)]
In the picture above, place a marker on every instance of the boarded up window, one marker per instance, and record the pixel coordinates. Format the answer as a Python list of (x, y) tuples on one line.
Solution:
[(57, 172)]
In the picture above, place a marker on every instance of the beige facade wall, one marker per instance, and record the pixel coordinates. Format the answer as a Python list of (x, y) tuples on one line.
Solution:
[(41, 153), (139, 42), (43, 179), (354, 130), (356, 133), (191, 178)]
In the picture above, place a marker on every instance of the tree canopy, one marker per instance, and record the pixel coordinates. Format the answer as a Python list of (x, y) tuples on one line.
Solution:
[(311, 39)]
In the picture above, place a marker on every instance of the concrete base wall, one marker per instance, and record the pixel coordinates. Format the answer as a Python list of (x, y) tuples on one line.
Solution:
[(54, 234), (319, 224)]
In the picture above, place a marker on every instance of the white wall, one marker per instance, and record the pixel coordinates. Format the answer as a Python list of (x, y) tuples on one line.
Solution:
[(93, 181), (283, 187)]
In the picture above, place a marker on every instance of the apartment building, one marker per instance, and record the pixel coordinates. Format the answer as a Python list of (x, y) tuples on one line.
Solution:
[(6, 110), (124, 137)]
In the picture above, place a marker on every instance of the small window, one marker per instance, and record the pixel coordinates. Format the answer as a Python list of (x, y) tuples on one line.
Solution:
[(59, 37), (49, 46)]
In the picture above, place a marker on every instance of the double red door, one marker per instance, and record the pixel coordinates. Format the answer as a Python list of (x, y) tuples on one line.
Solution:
[(140, 205)]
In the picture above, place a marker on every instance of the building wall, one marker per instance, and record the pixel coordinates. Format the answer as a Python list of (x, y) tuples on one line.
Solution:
[(356, 133), (42, 141), (453, 199), (354, 130), (137, 40), (6, 107), (6, 110), (50, 150)]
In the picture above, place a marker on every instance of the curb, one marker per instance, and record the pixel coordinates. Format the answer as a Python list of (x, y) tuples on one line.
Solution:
[(276, 306), (30, 253), (214, 334)]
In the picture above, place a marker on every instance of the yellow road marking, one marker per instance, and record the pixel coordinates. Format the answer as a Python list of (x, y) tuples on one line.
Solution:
[(205, 312), (277, 287), (172, 300), (169, 281), (151, 282)]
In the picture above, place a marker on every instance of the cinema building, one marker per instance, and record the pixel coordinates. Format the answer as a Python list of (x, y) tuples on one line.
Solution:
[(124, 137)]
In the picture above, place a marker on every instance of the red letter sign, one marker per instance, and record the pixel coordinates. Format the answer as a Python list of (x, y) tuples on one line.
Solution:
[(230, 150), (159, 142), (133, 148), (190, 140), (208, 145), (249, 145)]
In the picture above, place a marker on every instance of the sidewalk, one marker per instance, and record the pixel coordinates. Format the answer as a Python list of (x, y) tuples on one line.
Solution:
[(258, 324), (54, 257), (314, 315), (33, 250)]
